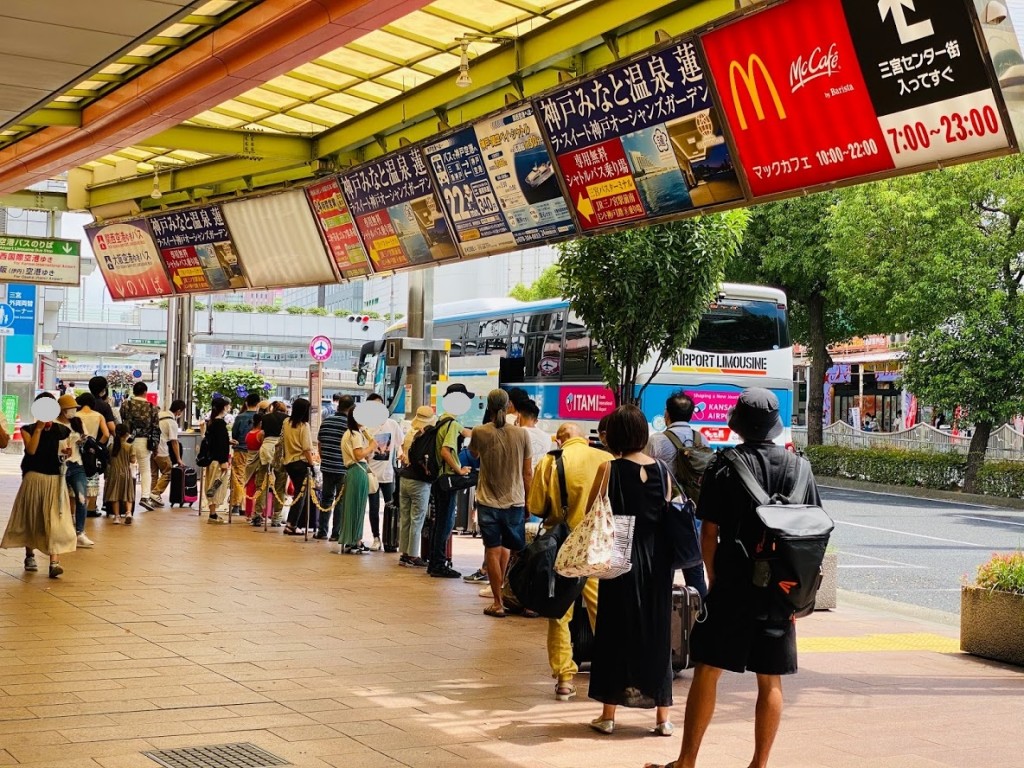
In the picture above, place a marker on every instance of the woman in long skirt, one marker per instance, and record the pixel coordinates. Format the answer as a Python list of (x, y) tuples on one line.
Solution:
[(356, 447), (41, 517)]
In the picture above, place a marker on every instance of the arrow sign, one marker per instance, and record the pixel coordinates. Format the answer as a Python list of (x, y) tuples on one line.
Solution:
[(908, 33), (585, 207)]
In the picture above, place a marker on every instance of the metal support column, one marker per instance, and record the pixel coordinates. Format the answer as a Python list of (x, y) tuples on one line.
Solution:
[(171, 354), (421, 326), (181, 364)]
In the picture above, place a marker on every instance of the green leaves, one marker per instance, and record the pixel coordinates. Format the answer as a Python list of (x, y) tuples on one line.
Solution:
[(548, 285), (226, 383)]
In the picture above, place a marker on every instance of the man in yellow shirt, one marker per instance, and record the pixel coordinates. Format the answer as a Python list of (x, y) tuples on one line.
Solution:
[(580, 463)]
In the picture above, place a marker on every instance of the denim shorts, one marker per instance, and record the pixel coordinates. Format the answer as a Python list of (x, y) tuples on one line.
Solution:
[(502, 527)]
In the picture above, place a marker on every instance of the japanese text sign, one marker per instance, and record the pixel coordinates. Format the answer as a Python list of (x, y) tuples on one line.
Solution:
[(819, 91), (338, 228), (396, 212), (39, 260), (129, 260), (498, 184), (197, 250), (641, 140)]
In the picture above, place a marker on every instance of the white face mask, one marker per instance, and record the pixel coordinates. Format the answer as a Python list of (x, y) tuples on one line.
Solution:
[(69, 413)]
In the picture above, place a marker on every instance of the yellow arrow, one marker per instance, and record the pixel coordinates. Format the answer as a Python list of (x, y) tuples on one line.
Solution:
[(585, 207), (177, 279)]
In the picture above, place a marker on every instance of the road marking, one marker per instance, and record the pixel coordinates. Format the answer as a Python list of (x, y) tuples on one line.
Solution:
[(911, 641), (990, 520), (878, 567), (915, 535), (845, 553)]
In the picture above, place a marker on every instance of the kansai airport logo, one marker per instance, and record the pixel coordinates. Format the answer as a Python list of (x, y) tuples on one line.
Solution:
[(749, 78)]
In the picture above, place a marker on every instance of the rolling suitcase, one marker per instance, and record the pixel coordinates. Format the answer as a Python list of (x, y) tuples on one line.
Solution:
[(184, 486), (428, 527), (581, 635), (686, 606), (390, 530)]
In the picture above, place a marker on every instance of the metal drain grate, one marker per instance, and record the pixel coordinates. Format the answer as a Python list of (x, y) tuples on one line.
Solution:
[(219, 756)]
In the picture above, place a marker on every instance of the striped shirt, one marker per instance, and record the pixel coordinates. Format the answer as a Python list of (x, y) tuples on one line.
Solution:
[(332, 429)]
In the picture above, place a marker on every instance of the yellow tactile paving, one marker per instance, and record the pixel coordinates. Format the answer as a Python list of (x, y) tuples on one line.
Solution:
[(907, 641)]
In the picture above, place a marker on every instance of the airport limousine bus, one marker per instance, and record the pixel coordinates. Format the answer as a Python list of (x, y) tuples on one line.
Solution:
[(544, 348)]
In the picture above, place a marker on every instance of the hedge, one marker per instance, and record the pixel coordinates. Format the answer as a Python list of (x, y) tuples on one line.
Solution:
[(927, 469)]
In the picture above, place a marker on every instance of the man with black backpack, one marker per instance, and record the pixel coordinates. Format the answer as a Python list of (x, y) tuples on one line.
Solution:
[(445, 458), (143, 420), (681, 448), (740, 632)]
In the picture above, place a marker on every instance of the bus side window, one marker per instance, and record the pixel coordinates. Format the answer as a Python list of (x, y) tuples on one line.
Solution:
[(493, 337), (578, 362), (544, 347), (517, 343), (454, 334)]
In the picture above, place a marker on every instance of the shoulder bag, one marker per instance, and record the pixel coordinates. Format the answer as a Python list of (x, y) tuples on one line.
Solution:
[(680, 523), (602, 545)]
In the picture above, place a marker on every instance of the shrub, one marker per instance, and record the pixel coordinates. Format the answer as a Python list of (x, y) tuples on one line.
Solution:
[(318, 311), (1003, 573), (199, 306), (1002, 478), (163, 304), (341, 313), (221, 306), (891, 466), (242, 307), (296, 310), (267, 309)]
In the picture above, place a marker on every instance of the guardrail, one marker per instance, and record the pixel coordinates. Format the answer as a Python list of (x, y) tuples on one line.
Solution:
[(1005, 442)]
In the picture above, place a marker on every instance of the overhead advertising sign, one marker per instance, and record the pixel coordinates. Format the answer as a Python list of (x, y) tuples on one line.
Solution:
[(819, 91), (197, 250), (498, 185), (396, 212), (129, 259), (641, 140), (338, 228), (40, 260)]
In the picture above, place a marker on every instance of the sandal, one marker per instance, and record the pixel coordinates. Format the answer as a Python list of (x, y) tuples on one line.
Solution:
[(497, 613), (565, 691)]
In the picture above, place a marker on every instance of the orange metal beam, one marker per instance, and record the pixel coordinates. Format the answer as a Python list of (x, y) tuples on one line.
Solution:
[(272, 38)]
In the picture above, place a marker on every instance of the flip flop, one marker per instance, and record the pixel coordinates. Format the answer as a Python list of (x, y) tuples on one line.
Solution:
[(493, 612)]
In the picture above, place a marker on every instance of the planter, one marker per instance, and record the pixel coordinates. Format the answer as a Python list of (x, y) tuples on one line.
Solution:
[(826, 597), (992, 624)]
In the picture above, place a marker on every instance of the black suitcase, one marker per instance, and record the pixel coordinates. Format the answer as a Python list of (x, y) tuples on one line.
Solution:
[(581, 635), (184, 486), (428, 527), (390, 530), (686, 607)]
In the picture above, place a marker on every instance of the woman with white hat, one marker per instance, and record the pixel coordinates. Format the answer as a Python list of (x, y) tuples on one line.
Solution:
[(413, 496)]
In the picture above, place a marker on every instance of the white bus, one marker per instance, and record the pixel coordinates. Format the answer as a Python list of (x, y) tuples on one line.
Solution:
[(545, 349)]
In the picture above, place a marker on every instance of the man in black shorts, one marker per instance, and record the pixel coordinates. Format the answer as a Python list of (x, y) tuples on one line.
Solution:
[(730, 638)]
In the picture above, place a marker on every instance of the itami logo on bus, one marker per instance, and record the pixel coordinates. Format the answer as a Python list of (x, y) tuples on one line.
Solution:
[(586, 402), (808, 68)]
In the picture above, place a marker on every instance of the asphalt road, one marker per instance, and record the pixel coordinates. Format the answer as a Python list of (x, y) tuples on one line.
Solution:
[(914, 550)]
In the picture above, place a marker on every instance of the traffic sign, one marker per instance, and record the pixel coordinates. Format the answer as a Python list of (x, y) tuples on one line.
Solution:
[(136, 374), (320, 348), (6, 316)]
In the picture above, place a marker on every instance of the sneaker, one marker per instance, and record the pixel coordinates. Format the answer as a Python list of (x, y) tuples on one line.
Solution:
[(320, 536), (406, 561), (215, 519), (236, 510), (376, 546), (128, 520), (84, 542), (417, 562), (275, 523), (444, 573), (55, 570), (479, 576), (257, 522), (30, 563), (117, 519), (156, 501), (147, 503)]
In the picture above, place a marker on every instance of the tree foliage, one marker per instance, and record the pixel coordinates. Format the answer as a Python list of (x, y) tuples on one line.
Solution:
[(231, 385), (642, 292), (548, 285)]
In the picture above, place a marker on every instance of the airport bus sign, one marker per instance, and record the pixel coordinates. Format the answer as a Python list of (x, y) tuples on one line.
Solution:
[(338, 228), (40, 260), (320, 348), (129, 259)]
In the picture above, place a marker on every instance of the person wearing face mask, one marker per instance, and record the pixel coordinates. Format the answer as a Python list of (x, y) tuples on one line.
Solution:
[(74, 471)]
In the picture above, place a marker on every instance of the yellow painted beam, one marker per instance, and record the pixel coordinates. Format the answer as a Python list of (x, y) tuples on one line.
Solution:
[(53, 116), (31, 200), (214, 141)]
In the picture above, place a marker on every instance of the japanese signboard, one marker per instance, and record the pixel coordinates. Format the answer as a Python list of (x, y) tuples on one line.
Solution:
[(39, 260), (818, 91), (498, 184), (129, 259), (197, 250), (641, 140), (338, 228), (396, 212)]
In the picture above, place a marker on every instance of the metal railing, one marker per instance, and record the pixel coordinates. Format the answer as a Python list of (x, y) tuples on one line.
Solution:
[(1005, 442)]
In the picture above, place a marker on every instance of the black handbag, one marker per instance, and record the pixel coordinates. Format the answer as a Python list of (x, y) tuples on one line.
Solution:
[(680, 525), (453, 483)]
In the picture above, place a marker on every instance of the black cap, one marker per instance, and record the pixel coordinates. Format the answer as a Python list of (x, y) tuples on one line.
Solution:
[(457, 387), (756, 415)]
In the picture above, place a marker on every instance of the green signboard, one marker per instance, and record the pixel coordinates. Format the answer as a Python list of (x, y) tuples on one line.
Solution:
[(39, 260), (9, 406)]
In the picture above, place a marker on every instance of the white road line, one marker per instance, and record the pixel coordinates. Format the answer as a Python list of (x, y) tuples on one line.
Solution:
[(846, 553), (990, 520), (915, 535), (878, 567)]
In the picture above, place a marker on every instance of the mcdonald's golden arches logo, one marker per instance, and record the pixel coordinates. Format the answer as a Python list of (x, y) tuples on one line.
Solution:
[(748, 76)]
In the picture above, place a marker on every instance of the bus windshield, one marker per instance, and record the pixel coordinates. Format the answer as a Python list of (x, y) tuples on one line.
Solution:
[(741, 325)]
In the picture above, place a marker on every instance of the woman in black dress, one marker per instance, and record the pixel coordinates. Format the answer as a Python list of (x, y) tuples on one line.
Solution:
[(632, 659)]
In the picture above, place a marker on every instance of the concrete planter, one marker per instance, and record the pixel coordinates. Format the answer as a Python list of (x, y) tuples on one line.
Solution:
[(826, 597), (992, 624)]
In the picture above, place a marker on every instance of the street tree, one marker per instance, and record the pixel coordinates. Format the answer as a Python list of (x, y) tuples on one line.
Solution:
[(642, 292), (547, 286), (789, 244)]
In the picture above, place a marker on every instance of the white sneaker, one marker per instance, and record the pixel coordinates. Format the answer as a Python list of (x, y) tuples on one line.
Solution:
[(376, 546), (84, 541)]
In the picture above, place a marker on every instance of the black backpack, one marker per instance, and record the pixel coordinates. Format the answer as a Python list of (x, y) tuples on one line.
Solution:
[(95, 457), (424, 459), (692, 459), (203, 457), (785, 540)]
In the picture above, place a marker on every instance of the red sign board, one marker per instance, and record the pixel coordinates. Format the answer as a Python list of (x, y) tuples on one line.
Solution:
[(339, 230), (601, 185)]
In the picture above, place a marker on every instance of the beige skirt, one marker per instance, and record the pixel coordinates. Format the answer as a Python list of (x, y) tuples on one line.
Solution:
[(41, 517)]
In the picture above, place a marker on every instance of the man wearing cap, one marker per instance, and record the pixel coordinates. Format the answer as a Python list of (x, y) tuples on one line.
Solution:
[(413, 497), (448, 433), (506, 470), (729, 638)]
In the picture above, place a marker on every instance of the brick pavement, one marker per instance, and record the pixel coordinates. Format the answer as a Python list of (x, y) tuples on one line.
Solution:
[(173, 633)]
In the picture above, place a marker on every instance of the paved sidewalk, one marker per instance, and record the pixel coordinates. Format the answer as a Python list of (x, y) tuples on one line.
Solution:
[(173, 633)]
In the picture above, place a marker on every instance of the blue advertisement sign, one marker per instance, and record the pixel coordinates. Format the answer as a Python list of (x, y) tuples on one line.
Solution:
[(396, 212), (197, 250), (498, 184), (20, 348), (641, 140)]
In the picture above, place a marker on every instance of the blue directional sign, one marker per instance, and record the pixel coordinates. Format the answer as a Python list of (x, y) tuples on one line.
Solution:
[(20, 347), (6, 320)]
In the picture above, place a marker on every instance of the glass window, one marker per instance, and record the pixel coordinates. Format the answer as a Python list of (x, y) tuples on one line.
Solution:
[(517, 343), (453, 332), (737, 325), (493, 336), (544, 356), (577, 355), (545, 321)]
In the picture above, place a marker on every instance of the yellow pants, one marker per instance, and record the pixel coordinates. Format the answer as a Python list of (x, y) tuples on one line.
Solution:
[(239, 460), (563, 668)]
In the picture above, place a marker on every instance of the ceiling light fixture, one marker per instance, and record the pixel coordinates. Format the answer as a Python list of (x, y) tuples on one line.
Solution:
[(464, 80), (156, 194)]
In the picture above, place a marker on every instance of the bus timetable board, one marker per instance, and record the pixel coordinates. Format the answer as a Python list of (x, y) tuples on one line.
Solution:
[(641, 140), (196, 248), (338, 228), (821, 91), (497, 181), (397, 213), (129, 259)]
